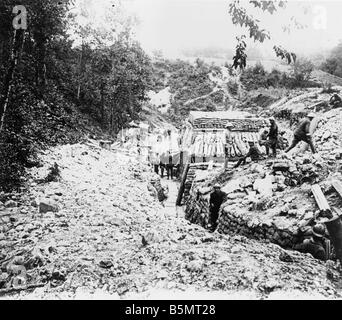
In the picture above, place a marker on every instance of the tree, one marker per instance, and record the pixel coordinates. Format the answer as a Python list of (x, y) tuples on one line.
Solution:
[(127, 83), (302, 70), (241, 17), (333, 64)]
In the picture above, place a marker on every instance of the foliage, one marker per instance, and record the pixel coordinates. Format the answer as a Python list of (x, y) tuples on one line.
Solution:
[(290, 57), (54, 81), (240, 58), (333, 64), (240, 16), (327, 87), (257, 77), (301, 71), (233, 87)]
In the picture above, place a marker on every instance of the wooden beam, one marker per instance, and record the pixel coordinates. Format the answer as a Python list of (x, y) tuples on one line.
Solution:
[(182, 186), (338, 187), (321, 201)]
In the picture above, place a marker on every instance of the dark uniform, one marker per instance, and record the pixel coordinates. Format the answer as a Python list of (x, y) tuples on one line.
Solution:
[(217, 197), (302, 133), (282, 142), (253, 153), (314, 247), (263, 141), (169, 168), (335, 101), (162, 168), (273, 138)]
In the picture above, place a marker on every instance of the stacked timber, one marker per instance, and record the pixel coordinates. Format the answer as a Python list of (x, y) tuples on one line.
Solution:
[(211, 144), (245, 125)]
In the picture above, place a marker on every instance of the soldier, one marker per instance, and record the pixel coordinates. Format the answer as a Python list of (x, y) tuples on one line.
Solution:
[(263, 141), (315, 245), (282, 141), (335, 101), (169, 167), (217, 197), (273, 136), (302, 133), (228, 143), (253, 153), (162, 168), (155, 162)]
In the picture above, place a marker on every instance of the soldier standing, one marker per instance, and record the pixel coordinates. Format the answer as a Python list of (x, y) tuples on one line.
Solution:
[(273, 136), (228, 143), (217, 197), (302, 133)]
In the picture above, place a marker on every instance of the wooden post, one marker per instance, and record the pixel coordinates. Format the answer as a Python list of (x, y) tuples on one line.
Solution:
[(338, 187), (321, 201), (182, 186), (181, 161), (334, 227)]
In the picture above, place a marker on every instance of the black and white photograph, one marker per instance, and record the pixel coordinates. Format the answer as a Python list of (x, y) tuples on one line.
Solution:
[(170, 150)]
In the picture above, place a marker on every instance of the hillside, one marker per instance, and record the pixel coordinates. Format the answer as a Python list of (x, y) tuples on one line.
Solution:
[(181, 86)]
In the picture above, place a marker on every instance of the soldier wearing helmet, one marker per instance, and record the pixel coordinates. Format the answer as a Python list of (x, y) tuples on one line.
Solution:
[(217, 197), (228, 143), (253, 153), (273, 136), (302, 133), (315, 245)]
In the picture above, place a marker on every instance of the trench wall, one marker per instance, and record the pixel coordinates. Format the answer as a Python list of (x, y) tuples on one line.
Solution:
[(233, 222)]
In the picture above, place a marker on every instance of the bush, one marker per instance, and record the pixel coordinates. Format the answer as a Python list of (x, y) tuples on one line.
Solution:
[(333, 64), (233, 87), (254, 77), (257, 77), (301, 71), (274, 78), (327, 87)]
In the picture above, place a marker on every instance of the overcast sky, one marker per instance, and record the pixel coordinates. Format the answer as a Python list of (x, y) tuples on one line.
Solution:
[(175, 25)]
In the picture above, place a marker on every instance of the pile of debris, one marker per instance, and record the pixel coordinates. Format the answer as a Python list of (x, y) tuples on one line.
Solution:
[(328, 136), (107, 236), (270, 200)]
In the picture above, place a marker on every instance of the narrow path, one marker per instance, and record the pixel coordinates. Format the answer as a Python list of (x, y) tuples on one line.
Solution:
[(170, 209)]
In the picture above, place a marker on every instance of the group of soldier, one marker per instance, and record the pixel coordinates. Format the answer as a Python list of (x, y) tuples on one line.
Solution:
[(272, 140), (172, 170), (164, 162)]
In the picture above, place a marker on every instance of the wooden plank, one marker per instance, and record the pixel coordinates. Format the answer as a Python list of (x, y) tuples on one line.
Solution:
[(338, 187), (182, 186), (320, 198)]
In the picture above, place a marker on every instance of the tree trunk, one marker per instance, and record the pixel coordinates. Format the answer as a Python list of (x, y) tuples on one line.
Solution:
[(102, 104), (17, 47), (80, 73), (111, 121), (42, 69)]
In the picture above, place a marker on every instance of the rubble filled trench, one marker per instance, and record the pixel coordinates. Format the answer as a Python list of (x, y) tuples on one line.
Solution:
[(272, 200), (99, 233)]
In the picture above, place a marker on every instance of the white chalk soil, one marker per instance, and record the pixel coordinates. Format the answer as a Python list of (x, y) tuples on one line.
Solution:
[(110, 239)]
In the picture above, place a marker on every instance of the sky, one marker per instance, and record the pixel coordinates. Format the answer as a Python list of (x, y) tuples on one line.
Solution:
[(174, 25)]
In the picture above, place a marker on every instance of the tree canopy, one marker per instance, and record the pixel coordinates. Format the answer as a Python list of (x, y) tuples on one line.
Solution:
[(240, 16)]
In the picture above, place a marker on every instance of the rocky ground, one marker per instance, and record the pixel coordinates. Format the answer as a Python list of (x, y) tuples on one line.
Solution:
[(99, 233)]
